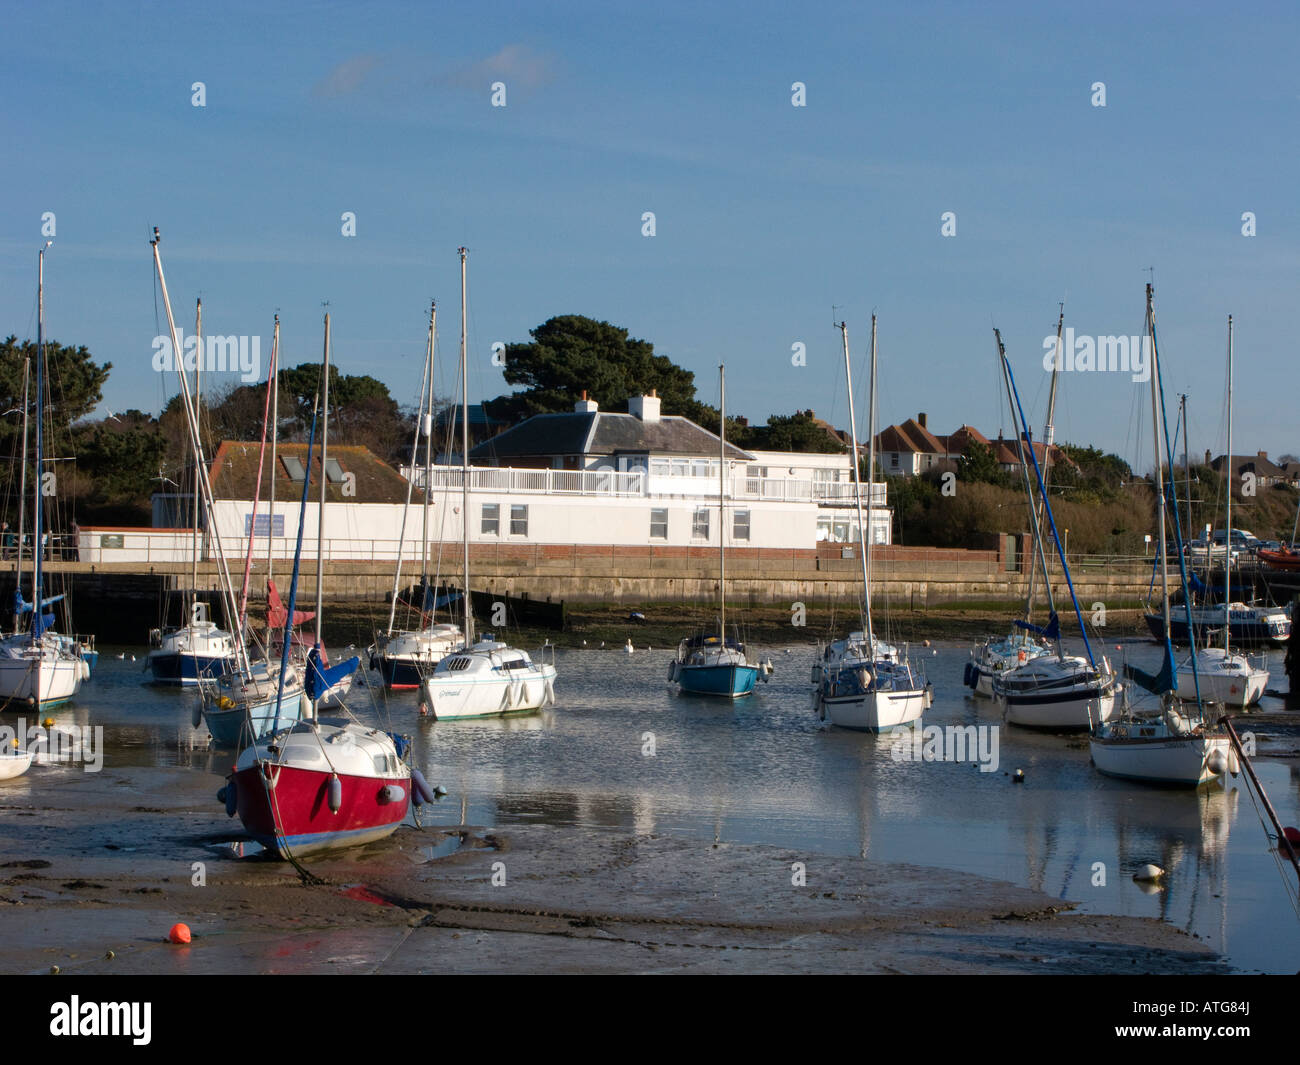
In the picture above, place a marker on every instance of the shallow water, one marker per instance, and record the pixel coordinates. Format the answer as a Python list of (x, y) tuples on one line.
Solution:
[(765, 770)]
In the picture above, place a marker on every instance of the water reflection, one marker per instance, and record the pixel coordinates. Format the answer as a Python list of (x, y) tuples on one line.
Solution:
[(623, 750)]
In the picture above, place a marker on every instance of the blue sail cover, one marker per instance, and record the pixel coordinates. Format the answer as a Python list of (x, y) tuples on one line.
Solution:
[(1052, 630), (22, 606), (322, 679), (442, 601), (1156, 683), (40, 622)]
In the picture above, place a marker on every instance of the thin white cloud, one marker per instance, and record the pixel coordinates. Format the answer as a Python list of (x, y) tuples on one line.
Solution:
[(515, 64), (348, 76)]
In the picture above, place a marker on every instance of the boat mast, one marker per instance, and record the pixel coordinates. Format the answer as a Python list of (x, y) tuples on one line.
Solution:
[(1049, 438), (37, 607), (198, 420), (196, 442), (275, 433), (427, 425), (423, 423), (865, 613), (1160, 484), (22, 494), (1035, 516), (1227, 533), (464, 451), (257, 491), (722, 504), (1187, 460), (324, 485)]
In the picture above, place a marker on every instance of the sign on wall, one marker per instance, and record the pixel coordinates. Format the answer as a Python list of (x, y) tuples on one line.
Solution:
[(263, 525)]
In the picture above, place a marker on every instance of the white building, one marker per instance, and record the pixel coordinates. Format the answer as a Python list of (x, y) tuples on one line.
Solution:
[(586, 478)]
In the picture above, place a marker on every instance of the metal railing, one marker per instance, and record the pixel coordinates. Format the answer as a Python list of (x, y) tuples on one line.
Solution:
[(512, 480)]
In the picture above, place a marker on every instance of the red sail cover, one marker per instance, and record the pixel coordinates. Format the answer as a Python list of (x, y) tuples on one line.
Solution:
[(277, 613)]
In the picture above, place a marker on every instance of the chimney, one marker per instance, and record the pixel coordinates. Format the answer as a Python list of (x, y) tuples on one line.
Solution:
[(920, 419), (1262, 455), (585, 405), (1208, 460), (644, 407)]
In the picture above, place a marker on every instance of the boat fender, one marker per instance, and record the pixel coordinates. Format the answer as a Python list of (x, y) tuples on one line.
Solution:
[(335, 794), (1217, 762), (1234, 762), (391, 793), (230, 796), (85, 670), (196, 717), (420, 790)]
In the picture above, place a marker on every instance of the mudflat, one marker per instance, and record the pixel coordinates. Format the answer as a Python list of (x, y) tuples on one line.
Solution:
[(92, 863)]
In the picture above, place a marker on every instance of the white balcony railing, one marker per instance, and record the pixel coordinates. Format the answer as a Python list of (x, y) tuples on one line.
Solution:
[(514, 481)]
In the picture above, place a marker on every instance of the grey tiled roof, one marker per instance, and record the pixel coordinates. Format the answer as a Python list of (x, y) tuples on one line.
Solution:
[(602, 434)]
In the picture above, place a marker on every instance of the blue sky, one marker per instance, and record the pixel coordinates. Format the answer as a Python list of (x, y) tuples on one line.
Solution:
[(766, 214)]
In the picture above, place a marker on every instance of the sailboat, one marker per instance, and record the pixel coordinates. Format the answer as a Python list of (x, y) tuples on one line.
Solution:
[(244, 700), (38, 668), (1052, 691), (997, 654), (403, 656), (713, 662), (861, 682), (319, 785), (1215, 674), (488, 678), (197, 647), (1164, 746)]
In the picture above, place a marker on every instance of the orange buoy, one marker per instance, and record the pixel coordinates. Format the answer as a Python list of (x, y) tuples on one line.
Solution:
[(180, 933)]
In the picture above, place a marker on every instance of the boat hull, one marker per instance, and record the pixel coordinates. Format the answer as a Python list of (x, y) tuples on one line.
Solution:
[(1237, 689), (1244, 632), (468, 697), (399, 674), (1173, 761), (184, 668), (14, 763), (1074, 711), (301, 801), (873, 711), (732, 681), (42, 681), (245, 720)]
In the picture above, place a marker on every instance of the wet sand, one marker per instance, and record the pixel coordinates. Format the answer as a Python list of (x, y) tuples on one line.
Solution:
[(93, 863)]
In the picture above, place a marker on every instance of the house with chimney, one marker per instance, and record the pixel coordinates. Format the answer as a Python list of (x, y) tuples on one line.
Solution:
[(644, 478), (910, 449), (1265, 472), (629, 480)]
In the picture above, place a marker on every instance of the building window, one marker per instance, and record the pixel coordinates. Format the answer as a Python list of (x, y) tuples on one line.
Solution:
[(293, 467), (659, 524), (740, 525), (518, 519), (700, 524), (491, 522), (333, 471)]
